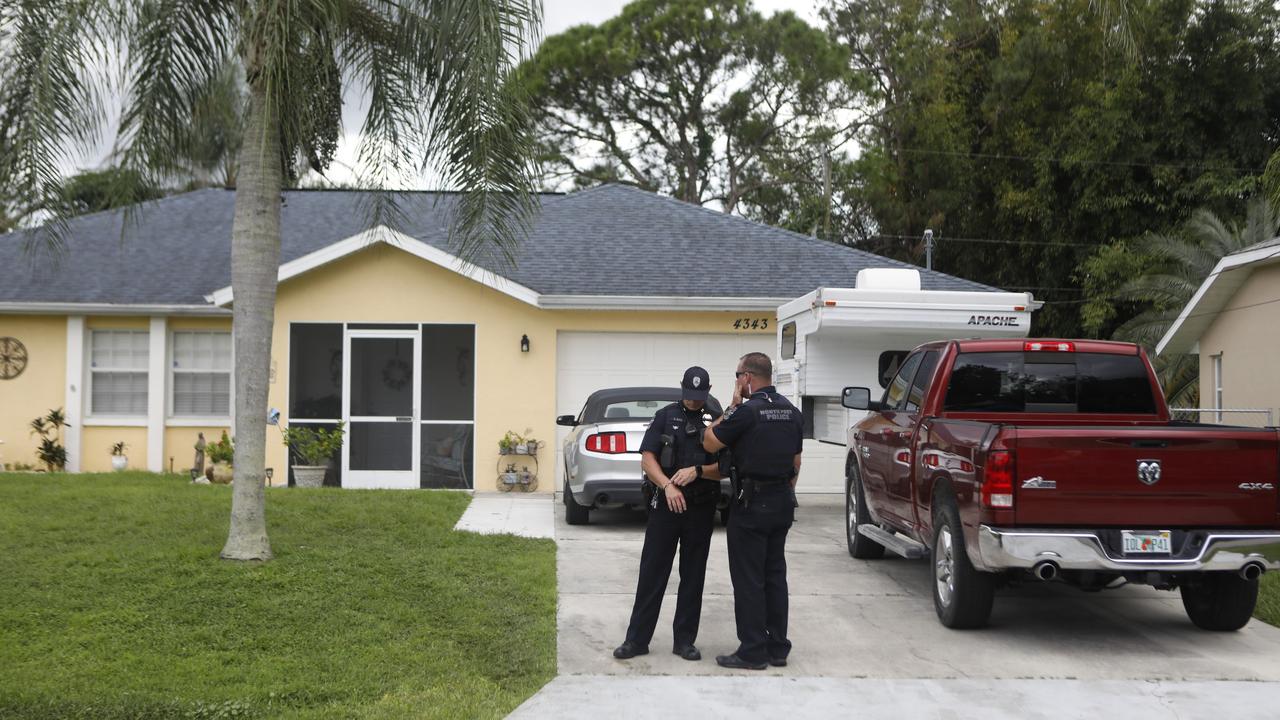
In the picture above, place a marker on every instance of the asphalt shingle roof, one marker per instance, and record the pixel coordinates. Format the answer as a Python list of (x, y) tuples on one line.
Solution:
[(609, 240)]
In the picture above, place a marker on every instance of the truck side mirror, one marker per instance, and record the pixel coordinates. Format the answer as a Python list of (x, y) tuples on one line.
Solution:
[(567, 421), (856, 398)]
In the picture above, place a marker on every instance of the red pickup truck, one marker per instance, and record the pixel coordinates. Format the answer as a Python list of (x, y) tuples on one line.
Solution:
[(1057, 460)]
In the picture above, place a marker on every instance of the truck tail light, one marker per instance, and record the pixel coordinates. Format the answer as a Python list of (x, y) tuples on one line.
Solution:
[(610, 442), (1038, 346), (997, 480)]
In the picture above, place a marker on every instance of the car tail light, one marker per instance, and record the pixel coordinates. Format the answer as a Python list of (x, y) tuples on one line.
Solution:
[(997, 480), (611, 442), (1048, 347)]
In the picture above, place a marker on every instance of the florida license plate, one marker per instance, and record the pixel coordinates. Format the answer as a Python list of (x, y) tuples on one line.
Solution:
[(1147, 541)]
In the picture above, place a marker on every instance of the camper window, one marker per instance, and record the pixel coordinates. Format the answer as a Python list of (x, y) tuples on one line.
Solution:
[(788, 341)]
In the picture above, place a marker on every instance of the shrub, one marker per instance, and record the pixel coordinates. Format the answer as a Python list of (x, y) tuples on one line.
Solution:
[(51, 452), (223, 451), (313, 446)]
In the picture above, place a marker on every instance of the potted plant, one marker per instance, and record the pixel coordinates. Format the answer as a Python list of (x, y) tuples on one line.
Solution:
[(507, 443), (221, 454), (119, 461), (313, 447), (509, 478)]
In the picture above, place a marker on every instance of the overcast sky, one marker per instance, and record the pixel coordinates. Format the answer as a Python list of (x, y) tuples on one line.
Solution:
[(560, 15)]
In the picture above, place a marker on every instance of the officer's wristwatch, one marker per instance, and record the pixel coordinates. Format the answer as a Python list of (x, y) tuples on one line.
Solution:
[(698, 473)]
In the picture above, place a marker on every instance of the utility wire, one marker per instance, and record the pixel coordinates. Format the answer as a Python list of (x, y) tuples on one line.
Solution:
[(992, 241)]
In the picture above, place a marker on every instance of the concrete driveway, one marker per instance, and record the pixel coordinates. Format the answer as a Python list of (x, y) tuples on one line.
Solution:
[(867, 644), (875, 619)]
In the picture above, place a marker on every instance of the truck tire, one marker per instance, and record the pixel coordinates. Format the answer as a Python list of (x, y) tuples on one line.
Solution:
[(574, 514), (1221, 601), (962, 596), (855, 514)]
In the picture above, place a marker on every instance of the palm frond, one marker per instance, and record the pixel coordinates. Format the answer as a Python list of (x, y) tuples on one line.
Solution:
[(176, 50), (52, 103), (475, 118)]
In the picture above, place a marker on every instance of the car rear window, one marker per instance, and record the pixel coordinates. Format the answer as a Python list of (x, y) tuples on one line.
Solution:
[(632, 409), (1049, 382)]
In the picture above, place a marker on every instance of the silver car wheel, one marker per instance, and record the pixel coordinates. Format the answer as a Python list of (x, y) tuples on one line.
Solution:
[(944, 567)]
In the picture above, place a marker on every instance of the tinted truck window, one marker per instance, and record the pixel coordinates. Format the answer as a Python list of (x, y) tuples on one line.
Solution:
[(1049, 382)]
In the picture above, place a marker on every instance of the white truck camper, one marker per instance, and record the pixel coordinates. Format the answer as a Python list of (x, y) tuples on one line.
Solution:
[(834, 338)]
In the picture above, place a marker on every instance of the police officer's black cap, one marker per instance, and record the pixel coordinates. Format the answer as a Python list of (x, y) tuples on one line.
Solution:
[(695, 385)]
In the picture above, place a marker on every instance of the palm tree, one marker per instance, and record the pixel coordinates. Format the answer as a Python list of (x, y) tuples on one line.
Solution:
[(1179, 264), (434, 75)]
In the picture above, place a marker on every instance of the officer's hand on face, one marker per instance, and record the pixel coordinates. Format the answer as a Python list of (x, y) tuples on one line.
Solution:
[(675, 498), (737, 394), (684, 476)]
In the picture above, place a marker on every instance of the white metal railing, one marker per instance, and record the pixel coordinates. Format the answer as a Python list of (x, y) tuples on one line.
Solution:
[(1248, 417)]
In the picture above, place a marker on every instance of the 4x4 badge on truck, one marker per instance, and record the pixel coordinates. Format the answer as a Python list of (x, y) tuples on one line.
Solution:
[(1149, 471), (1039, 483)]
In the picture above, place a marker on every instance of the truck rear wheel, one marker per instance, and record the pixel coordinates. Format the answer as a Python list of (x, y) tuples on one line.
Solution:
[(1221, 601), (855, 514), (574, 514), (962, 596)]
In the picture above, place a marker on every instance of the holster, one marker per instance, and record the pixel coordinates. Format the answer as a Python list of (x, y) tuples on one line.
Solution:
[(667, 456), (647, 490), (748, 491)]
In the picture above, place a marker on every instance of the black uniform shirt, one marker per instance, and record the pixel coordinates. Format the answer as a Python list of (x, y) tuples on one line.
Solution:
[(675, 420), (765, 434)]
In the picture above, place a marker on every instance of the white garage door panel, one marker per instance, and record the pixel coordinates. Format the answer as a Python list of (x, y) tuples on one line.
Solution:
[(586, 362)]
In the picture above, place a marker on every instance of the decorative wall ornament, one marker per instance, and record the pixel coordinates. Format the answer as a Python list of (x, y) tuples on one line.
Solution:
[(13, 358), (396, 374)]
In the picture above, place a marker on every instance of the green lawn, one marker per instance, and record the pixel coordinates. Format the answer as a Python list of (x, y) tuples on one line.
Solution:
[(114, 604), (1269, 599)]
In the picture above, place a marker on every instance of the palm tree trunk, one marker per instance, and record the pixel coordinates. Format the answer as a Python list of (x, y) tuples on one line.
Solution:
[(255, 259)]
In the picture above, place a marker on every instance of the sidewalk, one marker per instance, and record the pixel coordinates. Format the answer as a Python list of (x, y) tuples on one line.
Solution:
[(524, 514), (618, 698)]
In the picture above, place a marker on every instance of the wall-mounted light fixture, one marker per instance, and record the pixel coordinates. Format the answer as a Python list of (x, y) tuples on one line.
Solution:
[(524, 343)]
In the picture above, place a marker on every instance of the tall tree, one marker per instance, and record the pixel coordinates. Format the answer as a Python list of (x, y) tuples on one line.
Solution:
[(1028, 137), (705, 100), (1169, 270), (436, 76)]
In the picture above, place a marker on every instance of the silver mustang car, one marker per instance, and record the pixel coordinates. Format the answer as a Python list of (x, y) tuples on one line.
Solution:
[(602, 454)]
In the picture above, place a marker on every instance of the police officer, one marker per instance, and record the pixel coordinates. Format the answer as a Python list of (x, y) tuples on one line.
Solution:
[(686, 487), (764, 433)]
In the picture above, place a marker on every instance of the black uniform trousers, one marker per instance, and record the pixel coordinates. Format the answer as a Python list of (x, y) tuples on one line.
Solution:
[(757, 538), (691, 530)]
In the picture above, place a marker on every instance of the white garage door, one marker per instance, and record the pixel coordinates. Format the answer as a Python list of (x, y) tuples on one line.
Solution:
[(586, 362)]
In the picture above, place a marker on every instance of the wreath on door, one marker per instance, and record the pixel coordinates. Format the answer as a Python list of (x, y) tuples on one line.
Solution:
[(396, 374)]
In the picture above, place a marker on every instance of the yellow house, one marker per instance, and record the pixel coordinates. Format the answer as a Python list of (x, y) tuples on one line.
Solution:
[(429, 361), (1230, 323)]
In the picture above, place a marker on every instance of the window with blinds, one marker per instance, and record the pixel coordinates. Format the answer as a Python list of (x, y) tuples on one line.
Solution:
[(200, 379), (118, 372)]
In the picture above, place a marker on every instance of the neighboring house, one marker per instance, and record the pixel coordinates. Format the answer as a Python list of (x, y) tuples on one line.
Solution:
[(1232, 324), (428, 361)]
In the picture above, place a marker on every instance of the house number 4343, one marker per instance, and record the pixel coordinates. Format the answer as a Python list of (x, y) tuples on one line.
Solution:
[(751, 324)]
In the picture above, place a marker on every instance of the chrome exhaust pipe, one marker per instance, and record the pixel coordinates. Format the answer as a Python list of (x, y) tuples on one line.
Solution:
[(1252, 571), (1045, 570)]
